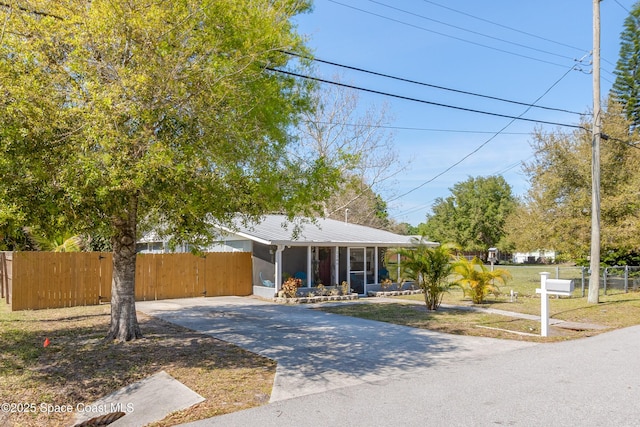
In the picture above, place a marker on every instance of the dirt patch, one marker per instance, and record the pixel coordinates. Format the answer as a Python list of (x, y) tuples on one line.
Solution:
[(78, 366)]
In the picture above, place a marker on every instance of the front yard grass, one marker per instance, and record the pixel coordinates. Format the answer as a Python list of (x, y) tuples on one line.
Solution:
[(615, 310), (79, 367)]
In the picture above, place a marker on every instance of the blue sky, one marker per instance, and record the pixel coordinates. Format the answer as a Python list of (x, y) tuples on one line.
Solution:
[(469, 46)]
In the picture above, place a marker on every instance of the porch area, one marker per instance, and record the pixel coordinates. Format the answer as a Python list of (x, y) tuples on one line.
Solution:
[(362, 268)]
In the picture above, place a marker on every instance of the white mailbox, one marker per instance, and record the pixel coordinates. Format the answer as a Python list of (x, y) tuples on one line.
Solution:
[(559, 286), (550, 287)]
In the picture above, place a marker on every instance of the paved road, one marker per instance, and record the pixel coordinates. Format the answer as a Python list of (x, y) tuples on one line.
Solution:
[(351, 372)]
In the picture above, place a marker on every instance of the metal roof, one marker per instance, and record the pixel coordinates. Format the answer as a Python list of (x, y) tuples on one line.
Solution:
[(278, 230)]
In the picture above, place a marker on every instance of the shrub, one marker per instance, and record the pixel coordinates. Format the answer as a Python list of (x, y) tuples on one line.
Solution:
[(386, 284), (476, 280), (344, 287), (290, 287)]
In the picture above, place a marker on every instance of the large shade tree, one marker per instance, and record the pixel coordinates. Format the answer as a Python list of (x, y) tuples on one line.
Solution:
[(121, 116), (556, 211), (474, 215)]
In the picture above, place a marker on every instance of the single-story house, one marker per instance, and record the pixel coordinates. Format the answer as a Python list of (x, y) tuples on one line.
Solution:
[(321, 251), (541, 256)]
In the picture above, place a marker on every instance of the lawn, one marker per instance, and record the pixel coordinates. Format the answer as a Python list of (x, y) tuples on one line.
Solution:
[(615, 310), (79, 367)]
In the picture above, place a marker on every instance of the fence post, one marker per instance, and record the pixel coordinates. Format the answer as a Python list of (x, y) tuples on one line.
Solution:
[(604, 279), (626, 279), (583, 269), (2, 274)]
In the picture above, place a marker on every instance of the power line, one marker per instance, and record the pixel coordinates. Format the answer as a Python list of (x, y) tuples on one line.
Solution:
[(518, 30), (422, 101), (635, 145), (409, 128), (471, 31), (622, 6), (504, 26), (448, 35), (513, 119), (402, 79)]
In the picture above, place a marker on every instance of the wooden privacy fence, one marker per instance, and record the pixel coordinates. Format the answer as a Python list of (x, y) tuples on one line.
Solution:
[(38, 280)]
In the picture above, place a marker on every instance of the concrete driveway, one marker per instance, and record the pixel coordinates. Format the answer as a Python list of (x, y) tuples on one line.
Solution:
[(317, 352)]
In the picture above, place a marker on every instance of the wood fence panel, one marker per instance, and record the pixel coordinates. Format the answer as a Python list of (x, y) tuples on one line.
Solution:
[(182, 274), (201, 283), (105, 275), (92, 281), (87, 279), (243, 268), (20, 294), (228, 273), (31, 286), (37, 280), (145, 275), (177, 275), (63, 287), (214, 274)]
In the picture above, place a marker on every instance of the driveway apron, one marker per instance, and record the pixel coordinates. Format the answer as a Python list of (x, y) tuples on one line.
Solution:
[(317, 351)]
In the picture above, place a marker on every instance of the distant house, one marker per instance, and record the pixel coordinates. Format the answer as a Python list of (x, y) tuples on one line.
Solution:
[(541, 256), (322, 251)]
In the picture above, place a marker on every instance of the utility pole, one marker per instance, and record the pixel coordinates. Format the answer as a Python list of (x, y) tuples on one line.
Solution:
[(594, 279)]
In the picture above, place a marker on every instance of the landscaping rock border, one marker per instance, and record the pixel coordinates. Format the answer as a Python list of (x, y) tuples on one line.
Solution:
[(310, 300), (393, 293)]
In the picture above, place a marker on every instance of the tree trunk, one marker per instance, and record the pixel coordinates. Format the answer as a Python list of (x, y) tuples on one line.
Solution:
[(124, 322)]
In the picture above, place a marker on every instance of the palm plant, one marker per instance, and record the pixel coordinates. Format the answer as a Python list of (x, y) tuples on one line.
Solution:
[(429, 268), (476, 280), (60, 242)]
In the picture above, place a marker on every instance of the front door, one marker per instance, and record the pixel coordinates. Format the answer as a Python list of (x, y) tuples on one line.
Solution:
[(324, 267), (357, 269)]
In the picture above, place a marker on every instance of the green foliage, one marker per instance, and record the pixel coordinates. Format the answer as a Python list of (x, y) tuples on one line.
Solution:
[(473, 216), (12, 235), (165, 105), (59, 242), (626, 88), (117, 118), (556, 212), (477, 280), (428, 267), (618, 256)]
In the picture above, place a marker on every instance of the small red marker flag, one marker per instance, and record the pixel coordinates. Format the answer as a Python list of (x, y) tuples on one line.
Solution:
[(46, 342)]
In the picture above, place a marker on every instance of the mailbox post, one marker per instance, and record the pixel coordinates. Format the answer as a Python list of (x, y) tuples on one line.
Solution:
[(550, 287)]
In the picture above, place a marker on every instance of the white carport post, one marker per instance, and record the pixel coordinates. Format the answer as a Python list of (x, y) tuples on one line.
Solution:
[(376, 276), (309, 272), (349, 267), (336, 265), (278, 268)]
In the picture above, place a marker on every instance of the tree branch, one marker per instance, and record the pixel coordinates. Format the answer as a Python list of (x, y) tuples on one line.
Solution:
[(33, 12)]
